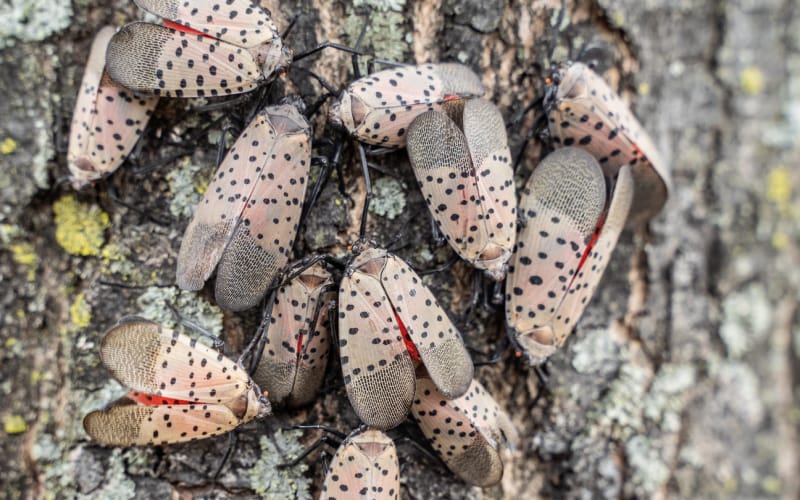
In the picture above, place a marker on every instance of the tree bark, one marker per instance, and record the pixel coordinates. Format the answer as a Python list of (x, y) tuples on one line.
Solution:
[(681, 379)]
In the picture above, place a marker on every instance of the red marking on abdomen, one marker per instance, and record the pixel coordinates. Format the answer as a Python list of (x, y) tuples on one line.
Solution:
[(151, 400), (185, 29), (410, 347)]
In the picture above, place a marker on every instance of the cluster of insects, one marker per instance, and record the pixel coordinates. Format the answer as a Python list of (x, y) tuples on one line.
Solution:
[(399, 351)]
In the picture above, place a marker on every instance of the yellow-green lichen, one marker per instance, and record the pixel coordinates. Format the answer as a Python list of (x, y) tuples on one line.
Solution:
[(14, 424), (24, 254), (8, 146), (80, 312), (187, 185), (779, 186), (79, 226), (751, 79), (270, 481)]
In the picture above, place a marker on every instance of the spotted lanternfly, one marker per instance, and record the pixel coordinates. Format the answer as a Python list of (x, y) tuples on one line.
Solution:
[(181, 390), (390, 322), (584, 112), (562, 249), (107, 121), (297, 339), (204, 49), (464, 170), (248, 218), (466, 432), (365, 466), (378, 108)]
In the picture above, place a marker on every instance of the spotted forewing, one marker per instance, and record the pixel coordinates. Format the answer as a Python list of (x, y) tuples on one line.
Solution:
[(182, 390), (205, 49), (584, 112), (562, 249), (297, 340), (378, 108), (107, 121), (389, 322), (365, 467), (467, 180), (466, 432), (246, 223)]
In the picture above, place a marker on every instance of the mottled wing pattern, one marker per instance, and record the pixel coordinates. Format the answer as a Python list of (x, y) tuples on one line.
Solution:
[(148, 357), (107, 121), (377, 368), (561, 203), (239, 22), (590, 273), (465, 432), (293, 363), (158, 60), (586, 113), (491, 159), (458, 80), (136, 425), (436, 337), (365, 467), (261, 243)]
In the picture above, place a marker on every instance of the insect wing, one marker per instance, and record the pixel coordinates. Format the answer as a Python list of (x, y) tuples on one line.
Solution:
[(465, 432), (262, 241), (158, 60), (586, 113), (436, 338), (107, 121), (591, 271), (137, 425), (491, 158), (562, 203), (365, 467), (240, 22), (293, 363), (150, 358), (377, 368)]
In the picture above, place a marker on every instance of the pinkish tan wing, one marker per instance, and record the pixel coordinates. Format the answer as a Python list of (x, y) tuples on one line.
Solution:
[(377, 368), (436, 337), (467, 181), (379, 108), (240, 22), (585, 282), (138, 425), (584, 112), (562, 203), (365, 467), (295, 354), (248, 219), (150, 358), (466, 432), (107, 121), (157, 60)]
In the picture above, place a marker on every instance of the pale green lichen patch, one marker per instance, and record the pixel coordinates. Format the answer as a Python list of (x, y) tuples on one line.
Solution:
[(650, 471), (747, 319), (79, 226), (32, 20), (155, 301), (270, 481), (386, 34), (593, 351), (389, 198), (667, 397), (187, 184), (619, 412)]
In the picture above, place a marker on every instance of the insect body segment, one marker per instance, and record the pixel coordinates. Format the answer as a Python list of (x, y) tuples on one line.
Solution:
[(563, 248), (206, 50), (381, 299), (378, 108), (365, 467), (584, 112), (248, 218), (107, 121), (466, 432), (181, 390), (463, 167), (295, 354)]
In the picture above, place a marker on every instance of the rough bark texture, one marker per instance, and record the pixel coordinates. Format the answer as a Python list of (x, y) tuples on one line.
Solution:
[(682, 377)]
